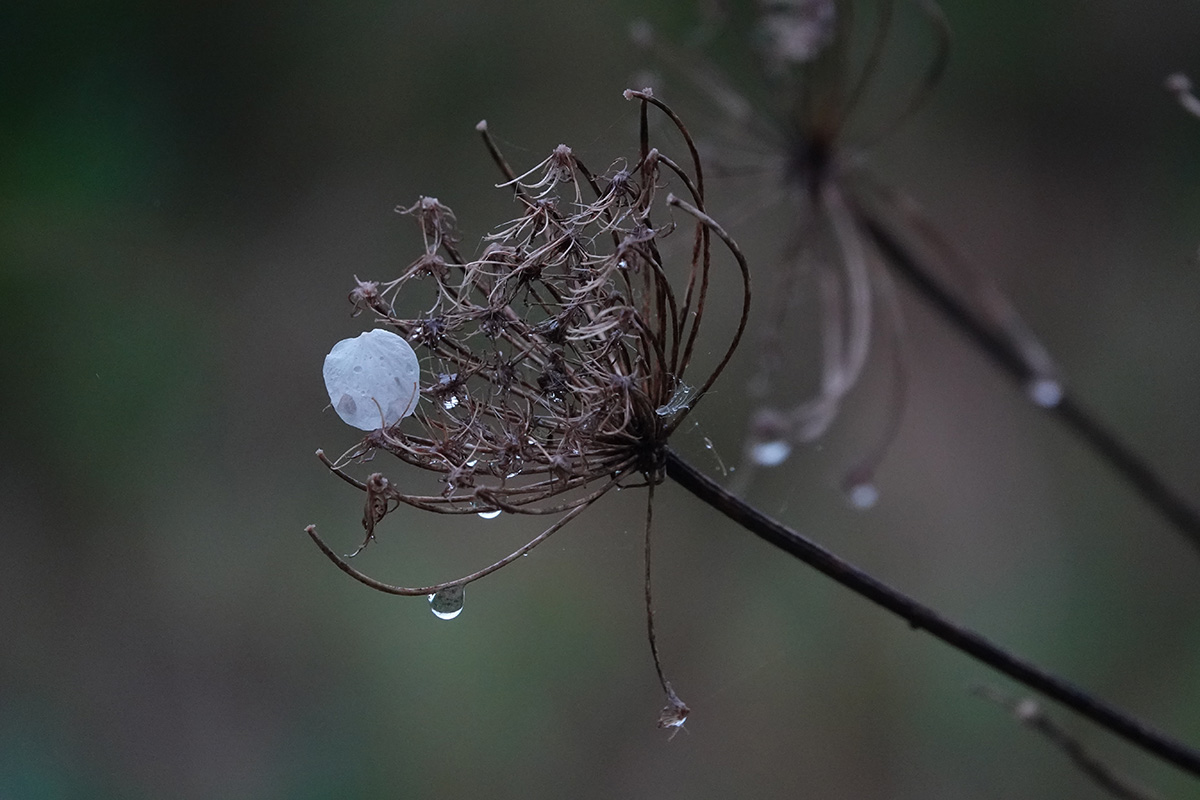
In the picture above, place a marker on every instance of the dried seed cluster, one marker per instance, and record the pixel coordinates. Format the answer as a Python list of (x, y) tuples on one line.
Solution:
[(554, 363)]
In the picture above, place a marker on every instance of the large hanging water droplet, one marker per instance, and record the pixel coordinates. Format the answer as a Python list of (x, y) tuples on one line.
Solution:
[(447, 603), (770, 454), (490, 514)]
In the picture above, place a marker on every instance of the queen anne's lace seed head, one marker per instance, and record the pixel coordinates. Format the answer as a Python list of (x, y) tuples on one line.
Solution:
[(556, 363), (552, 361)]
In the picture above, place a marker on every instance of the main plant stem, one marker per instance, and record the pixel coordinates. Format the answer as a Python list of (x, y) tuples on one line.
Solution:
[(920, 616)]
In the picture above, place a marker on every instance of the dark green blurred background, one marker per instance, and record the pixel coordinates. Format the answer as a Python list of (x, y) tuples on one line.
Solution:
[(186, 192)]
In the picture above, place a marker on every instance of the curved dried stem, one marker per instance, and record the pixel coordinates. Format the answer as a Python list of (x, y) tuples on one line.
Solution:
[(388, 588), (733, 248), (923, 89), (675, 713)]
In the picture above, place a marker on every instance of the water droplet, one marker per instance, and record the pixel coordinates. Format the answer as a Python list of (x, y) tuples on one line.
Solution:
[(472, 462), (490, 514), (863, 495), (770, 454), (1045, 392), (678, 402), (447, 603), (708, 445)]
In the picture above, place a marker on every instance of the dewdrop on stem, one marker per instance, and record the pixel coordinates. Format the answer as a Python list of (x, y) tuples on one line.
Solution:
[(372, 379), (859, 488), (862, 496), (1045, 392), (447, 603)]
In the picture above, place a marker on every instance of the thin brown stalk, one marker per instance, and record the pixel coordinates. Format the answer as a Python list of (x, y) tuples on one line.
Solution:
[(922, 617)]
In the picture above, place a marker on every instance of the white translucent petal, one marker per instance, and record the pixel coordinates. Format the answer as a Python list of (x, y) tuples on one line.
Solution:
[(372, 379)]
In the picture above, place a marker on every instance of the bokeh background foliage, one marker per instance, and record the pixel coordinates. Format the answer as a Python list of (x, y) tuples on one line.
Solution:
[(186, 190)]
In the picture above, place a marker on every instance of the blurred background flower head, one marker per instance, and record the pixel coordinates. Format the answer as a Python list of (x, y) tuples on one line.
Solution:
[(832, 81)]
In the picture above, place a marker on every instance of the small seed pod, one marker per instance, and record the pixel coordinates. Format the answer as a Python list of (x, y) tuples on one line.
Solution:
[(372, 379)]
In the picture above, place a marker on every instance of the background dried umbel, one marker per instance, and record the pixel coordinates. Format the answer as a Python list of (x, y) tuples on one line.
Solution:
[(554, 365), (826, 94), (827, 65)]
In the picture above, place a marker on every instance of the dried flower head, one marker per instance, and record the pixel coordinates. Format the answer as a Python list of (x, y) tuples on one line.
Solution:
[(824, 66), (554, 366)]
